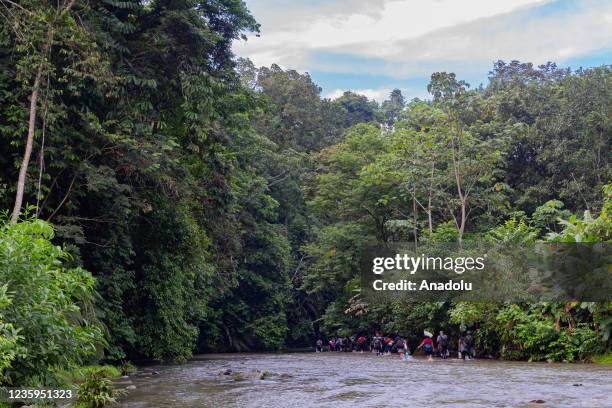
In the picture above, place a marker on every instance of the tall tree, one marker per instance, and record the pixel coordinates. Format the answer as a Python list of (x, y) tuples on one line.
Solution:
[(392, 107), (46, 34)]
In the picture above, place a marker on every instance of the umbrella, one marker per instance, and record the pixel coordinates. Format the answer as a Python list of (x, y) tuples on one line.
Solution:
[(426, 333)]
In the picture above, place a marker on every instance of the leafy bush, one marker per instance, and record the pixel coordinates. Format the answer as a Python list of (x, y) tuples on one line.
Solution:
[(96, 390), (48, 304), (445, 232), (575, 345), (127, 368), (528, 334), (525, 335), (588, 229), (513, 231), (107, 371), (548, 215), (9, 337)]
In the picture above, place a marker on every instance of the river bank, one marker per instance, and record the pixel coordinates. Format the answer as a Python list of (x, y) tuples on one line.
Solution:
[(349, 379)]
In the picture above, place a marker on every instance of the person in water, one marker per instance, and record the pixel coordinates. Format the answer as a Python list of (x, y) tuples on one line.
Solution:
[(319, 346), (361, 343), (388, 345), (338, 344), (332, 344), (400, 346), (378, 345), (469, 345), (427, 346), (442, 341), (461, 348)]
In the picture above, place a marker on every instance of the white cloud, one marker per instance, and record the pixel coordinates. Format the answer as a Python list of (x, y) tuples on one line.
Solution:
[(290, 31), (403, 38), (508, 37)]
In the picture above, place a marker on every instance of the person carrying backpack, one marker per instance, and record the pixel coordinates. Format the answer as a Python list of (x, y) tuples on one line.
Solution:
[(427, 346), (461, 347), (378, 345), (361, 342), (469, 345), (388, 344), (442, 341), (400, 346)]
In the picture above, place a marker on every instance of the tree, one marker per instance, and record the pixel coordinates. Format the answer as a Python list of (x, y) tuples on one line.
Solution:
[(392, 107), (358, 109), (472, 160), (418, 148), (42, 32)]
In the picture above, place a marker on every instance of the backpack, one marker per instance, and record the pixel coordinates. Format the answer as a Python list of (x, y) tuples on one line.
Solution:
[(443, 341), (469, 340)]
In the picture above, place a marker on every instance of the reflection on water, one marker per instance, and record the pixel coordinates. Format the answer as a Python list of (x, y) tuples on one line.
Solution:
[(364, 380)]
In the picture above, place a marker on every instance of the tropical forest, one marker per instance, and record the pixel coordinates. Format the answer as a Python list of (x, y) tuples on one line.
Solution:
[(162, 197)]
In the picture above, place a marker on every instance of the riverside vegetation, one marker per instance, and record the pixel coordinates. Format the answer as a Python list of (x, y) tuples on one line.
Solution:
[(170, 198)]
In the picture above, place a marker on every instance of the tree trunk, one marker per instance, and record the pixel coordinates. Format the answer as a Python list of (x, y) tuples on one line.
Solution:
[(463, 218), (462, 197), (430, 196), (28, 149), (415, 218), (23, 170)]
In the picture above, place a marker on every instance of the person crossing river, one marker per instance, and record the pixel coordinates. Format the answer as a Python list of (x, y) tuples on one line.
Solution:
[(427, 346), (442, 342), (384, 345)]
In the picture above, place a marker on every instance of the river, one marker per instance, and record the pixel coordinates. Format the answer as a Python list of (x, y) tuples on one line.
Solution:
[(365, 380)]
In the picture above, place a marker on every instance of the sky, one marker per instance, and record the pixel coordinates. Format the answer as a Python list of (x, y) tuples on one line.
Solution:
[(374, 46)]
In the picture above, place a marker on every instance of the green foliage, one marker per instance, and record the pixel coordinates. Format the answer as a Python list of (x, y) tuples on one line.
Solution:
[(588, 229), (548, 214), (357, 109), (107, 371), (468, 314), (603, 358), (96, 390), (445, 232), (51, 304), (514, 232), (9, 337), (127, 368), (452, 167), (529, 335)]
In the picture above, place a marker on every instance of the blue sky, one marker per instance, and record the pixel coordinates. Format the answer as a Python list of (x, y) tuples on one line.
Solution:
[(373, 46)]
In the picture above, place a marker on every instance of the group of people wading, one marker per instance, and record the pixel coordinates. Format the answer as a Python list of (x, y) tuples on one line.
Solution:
[(386, 345)]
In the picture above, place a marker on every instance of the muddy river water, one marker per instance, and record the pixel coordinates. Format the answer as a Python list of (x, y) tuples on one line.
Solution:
[(365, 380)]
